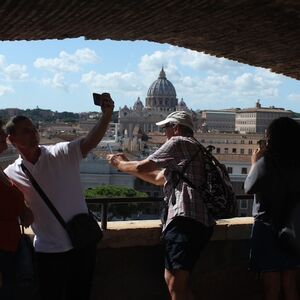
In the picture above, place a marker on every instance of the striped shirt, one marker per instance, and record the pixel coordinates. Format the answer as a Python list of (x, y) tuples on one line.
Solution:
[(182, 200)]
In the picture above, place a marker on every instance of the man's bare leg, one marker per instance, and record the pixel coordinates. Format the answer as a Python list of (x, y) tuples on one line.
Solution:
[(178, 282)]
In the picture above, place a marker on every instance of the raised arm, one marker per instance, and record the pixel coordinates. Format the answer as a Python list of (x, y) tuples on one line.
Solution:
[(93, 138), (146, 170)]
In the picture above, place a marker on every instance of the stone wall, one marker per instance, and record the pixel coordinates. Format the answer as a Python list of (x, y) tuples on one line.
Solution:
[(262, 33), (130, 263)]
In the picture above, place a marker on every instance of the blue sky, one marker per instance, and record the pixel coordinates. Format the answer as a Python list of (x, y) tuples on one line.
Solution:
[(61, 76)]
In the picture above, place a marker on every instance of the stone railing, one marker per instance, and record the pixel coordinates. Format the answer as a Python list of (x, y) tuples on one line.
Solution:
[(130, 263)]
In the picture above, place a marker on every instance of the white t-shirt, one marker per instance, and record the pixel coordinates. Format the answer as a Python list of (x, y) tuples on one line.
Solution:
[(57, 172)]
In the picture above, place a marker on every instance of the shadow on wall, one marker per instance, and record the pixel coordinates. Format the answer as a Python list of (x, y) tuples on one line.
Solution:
[(136, 273)]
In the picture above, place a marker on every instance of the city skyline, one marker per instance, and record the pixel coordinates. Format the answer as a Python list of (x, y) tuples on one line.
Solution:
[(61, 76)]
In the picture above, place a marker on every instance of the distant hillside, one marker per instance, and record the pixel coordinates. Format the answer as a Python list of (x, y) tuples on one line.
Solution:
[(46, 115)]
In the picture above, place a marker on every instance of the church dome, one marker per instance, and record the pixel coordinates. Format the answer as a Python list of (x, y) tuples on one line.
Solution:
[(161, 87), (161, 94), (138, 105)]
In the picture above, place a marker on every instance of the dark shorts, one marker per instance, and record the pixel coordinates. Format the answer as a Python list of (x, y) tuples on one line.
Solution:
[(184, 239), (266, 254)]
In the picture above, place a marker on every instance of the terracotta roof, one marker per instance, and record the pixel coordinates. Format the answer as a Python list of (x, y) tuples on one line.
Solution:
[(262, 33)]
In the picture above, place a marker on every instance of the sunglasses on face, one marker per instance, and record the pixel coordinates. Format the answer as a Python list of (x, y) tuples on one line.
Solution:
[(169, 125)]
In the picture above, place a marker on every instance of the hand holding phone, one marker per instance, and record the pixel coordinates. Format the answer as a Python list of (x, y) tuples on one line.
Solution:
[(262, 144), (98, 100)]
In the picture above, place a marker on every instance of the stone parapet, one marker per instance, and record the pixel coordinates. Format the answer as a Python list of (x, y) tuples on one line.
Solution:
[(130, 263), (123, 234), (147, 233)]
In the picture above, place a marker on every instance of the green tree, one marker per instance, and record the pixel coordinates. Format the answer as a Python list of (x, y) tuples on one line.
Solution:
[(123, 210)]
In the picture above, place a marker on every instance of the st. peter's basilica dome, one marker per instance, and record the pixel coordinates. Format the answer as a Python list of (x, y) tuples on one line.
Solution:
[(161, 94)]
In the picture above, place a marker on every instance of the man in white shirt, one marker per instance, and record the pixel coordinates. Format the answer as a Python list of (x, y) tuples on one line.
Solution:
[(64, 272)]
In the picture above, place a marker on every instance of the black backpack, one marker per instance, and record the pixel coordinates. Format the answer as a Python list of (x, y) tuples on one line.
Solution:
[(217, 191)]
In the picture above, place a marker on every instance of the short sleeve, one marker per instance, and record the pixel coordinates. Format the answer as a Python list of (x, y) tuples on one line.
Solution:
[(70, 150), (164, 156), (255, 178)]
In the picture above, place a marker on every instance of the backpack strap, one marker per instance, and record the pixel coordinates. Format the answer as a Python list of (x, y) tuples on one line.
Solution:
[(206, 153), (181, 174)]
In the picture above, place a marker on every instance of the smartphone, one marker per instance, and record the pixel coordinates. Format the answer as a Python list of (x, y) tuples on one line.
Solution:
[(98, 100), (109, 148), (262, 144)]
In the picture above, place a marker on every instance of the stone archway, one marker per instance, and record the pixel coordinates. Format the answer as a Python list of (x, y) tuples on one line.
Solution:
[(261, 33)]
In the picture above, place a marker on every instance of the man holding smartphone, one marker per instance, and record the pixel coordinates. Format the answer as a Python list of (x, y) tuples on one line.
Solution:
[(63, 272), (188, 225)]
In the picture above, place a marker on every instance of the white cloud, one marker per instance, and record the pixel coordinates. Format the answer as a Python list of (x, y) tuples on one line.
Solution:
[(201, 61), (150, 65), (86, 56), (57, 81), (16, 72), (120, 85), (127, 82), (260, 84), (12, 72), (174, 58), (4, 90), (66, 62)]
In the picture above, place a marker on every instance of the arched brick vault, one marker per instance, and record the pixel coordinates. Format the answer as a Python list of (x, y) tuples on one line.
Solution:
[(256, 32)]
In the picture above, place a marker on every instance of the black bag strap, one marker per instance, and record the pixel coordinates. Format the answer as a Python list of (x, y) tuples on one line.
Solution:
[(206, 153), (181, 174), (44, 196)]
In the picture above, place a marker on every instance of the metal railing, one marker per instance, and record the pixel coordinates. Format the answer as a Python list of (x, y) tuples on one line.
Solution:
[(104, 202)]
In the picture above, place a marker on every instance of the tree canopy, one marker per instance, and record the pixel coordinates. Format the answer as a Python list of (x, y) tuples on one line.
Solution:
[(104, 191)]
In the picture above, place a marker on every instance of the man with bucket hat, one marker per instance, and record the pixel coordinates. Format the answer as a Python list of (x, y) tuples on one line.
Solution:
[(187, 225)]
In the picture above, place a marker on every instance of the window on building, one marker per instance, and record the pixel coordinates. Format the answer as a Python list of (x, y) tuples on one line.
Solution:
[(218, 150), (229, 170), (243, 204), (226, 150), (242, 151), (244, 170)]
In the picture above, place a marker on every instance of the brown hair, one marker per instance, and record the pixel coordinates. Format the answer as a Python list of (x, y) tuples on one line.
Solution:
[(10, 126)]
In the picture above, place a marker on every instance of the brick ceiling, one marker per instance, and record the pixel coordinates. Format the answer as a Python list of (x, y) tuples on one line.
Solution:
[(256, 32)]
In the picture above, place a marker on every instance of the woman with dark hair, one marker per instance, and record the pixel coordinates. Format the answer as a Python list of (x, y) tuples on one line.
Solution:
[(12, 207), (274, 178)]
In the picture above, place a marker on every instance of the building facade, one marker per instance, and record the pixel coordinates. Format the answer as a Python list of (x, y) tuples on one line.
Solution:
[(217, 121), (257, 119)]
